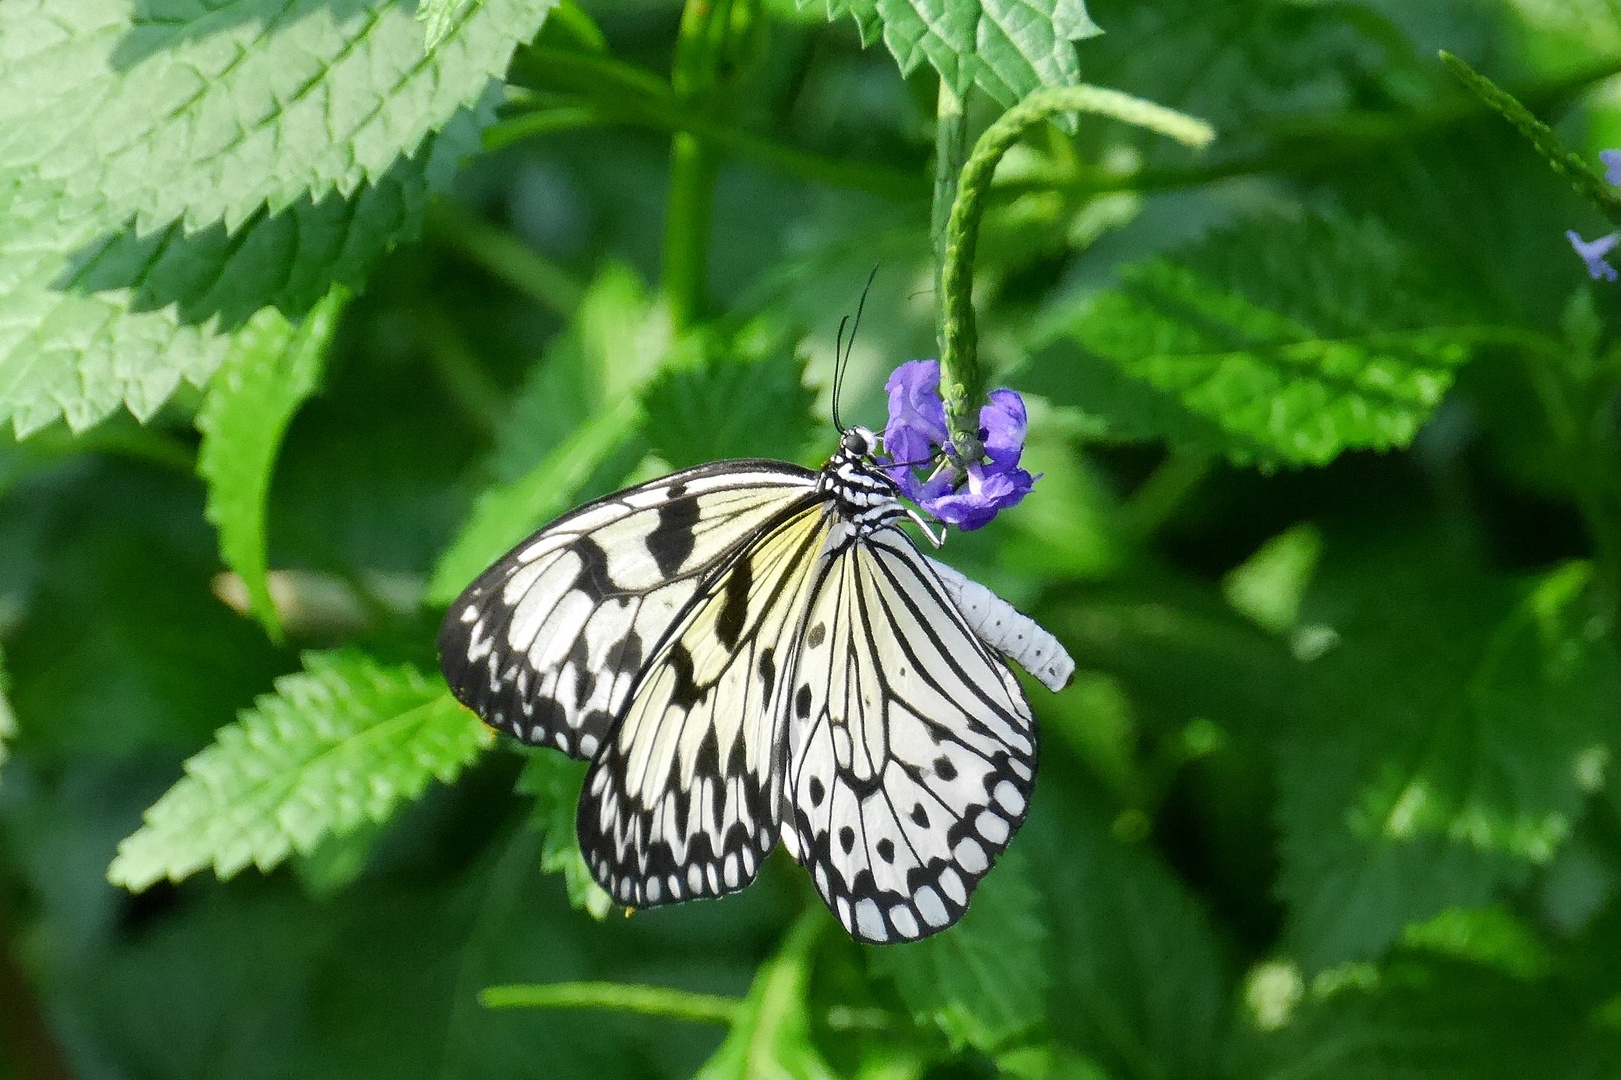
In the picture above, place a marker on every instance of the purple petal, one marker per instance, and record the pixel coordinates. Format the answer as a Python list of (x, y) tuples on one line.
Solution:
[(986, 493), (1593, 252), (1612, 165), (1002, 426)]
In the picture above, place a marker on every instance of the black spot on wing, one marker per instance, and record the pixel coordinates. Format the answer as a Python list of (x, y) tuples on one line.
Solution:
[(768, 671), (817, 633), (802, 702), (686, 693), (625, 655), (671, 541), (734, 608), (593, 579)]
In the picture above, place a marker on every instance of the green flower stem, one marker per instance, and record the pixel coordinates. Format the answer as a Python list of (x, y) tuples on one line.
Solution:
[(950, 154), (1588, 183), (688, 211), (962, 382), (647, 1000)]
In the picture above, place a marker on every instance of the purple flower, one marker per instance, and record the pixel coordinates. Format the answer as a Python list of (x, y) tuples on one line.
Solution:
[(1612, 165), (1593, 253), (965, 494)]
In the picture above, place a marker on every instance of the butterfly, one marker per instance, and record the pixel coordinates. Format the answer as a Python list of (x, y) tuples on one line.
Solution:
[(752, 651)]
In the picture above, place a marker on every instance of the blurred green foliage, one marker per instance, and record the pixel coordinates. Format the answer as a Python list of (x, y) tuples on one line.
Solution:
[(307, 313)]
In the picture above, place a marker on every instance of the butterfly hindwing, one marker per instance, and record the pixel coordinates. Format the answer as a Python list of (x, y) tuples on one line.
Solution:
[(911, 747), (548, 642), (683, 800)]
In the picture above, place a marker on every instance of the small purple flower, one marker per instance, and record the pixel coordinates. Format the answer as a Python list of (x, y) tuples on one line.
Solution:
[(1612, 165), (967, 495), (1593, 253)]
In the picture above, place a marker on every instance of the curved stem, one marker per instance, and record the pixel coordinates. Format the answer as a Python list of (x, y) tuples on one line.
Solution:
[(962, 382)]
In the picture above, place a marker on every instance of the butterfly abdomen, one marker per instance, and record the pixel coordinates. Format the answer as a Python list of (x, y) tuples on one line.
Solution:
[(1007, 630)]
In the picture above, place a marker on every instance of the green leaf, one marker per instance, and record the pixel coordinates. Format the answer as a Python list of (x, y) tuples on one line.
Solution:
[(506, 514), (1444, 747), (1007, 48), (1297, 340), (554, 782), (215, 112), (1492, 937), (91, 319), (341, 743), (615, 341), (576, 411), (983, 982), (739, 399), (1137, 982), (1269, 585), (771, 1037), (271, 368), (438, 18), (1242, 62), (1440, 1021)]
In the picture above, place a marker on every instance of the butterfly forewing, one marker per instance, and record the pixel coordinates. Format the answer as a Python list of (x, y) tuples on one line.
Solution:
[(547, 643), (911, 747), (683, 801)]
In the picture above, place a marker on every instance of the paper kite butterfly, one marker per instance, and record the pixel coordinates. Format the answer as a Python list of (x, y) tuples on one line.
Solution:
[(750, 651)]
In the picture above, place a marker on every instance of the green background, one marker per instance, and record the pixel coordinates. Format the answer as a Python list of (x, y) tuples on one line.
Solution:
[(309, 310)]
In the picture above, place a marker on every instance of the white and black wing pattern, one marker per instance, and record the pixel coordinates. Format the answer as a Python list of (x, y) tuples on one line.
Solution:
[(683, 800), (911, 750), (547, 643)]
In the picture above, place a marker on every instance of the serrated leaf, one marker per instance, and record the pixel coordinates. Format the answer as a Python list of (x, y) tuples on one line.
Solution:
[(91, 320), (1007, 48), (216, 111), (341, 743), (1297, 340), (740, 399), (438, 18), (271, 367), (983, 982), (1238, 62), (554, 782), (1446, 744), (771, 1037)]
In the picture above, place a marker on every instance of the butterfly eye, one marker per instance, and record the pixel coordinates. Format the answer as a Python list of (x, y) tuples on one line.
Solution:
[(858, 441)]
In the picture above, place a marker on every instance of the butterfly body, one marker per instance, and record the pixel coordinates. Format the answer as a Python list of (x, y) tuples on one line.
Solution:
[(750, 652)]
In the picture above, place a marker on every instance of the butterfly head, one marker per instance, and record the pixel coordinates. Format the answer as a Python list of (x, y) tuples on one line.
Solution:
[(858, 442)]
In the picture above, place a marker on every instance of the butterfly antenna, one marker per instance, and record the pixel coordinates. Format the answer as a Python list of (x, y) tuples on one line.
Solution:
[(838, 371), (841, 356)]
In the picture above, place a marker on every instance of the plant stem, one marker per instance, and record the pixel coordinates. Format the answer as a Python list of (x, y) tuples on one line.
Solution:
[(688, 210), (1588, 183), (962, 382), (647, 1000), (505, 256), (950, 154), (614, 92)]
